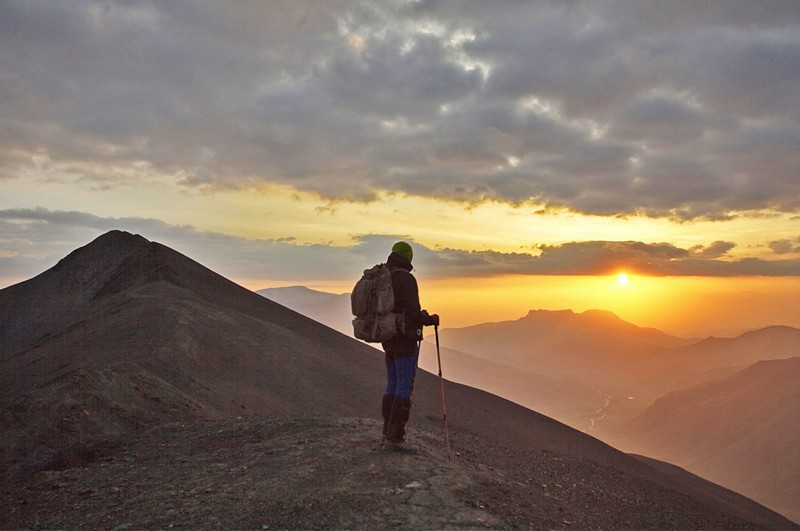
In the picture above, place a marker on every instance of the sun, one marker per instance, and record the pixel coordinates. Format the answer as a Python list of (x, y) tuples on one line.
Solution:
[(622, 279)]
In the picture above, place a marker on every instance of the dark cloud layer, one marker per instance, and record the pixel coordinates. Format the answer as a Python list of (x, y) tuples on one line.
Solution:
[(611, 257), (35, 239), (683, 109)]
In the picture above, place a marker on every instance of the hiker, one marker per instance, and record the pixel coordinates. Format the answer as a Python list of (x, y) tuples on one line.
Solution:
[(402, 351)]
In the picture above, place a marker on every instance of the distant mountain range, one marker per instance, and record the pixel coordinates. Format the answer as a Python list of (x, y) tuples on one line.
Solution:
[(327, 308), (595, 347), (125, 339), (598, 373)]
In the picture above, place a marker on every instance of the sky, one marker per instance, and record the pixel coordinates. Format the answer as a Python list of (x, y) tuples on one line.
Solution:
[(530, 151)]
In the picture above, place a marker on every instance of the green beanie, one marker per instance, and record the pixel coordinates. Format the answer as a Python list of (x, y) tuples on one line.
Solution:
[(404, 250)]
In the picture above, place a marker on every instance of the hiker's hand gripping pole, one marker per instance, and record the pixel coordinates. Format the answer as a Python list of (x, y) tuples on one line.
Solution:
[(441, 381)]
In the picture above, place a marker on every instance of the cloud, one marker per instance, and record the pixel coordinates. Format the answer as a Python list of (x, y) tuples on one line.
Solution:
[(608, 257), (786, 246), (35, 239), (606, 107), (715, 250)]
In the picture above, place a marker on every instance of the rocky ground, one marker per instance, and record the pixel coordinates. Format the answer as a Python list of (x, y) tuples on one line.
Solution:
[(326, 473)]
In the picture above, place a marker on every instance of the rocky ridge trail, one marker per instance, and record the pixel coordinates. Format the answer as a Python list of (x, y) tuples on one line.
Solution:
[(279, 473)]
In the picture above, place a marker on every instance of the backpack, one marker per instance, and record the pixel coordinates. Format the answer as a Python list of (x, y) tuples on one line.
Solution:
[(372, 302)]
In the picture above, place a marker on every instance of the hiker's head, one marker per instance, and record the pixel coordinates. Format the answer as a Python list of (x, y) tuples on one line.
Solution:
[(404, 250)]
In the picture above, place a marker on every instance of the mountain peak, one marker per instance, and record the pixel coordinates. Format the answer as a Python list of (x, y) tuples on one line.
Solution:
[(119, 237), (105, 248), (112, 242), (88, 269), (58, 296)]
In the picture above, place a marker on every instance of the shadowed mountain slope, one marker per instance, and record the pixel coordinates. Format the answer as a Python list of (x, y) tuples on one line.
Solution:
[(125, 336), (125, 312), (741, 431), (327, 308)]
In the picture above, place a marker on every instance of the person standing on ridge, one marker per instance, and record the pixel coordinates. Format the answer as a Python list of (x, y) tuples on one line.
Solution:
[(402, 351)]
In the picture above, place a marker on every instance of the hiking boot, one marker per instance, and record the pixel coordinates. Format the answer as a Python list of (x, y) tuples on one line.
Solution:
[(386, 410), (401, 410)]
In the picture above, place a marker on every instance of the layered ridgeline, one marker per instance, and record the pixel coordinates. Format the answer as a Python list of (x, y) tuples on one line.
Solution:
[(138, 387)]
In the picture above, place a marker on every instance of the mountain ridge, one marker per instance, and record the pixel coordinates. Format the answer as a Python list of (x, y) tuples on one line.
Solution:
[(147, 338)]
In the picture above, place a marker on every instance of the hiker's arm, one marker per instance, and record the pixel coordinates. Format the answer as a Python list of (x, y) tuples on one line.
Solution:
[(409, 294)]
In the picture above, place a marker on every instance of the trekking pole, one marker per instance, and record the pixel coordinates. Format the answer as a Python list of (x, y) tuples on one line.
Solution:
[(441, 381)]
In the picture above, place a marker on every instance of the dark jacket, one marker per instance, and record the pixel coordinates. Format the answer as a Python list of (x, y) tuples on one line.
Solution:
[(406, 302)]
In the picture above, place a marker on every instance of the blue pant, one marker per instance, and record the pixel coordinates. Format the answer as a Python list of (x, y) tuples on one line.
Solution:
[(400, 373)]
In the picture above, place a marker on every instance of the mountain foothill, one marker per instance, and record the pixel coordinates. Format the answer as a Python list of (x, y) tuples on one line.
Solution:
[(140, 389)]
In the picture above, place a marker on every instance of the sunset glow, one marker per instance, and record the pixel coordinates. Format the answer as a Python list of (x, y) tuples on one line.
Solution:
[(687, 306)]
